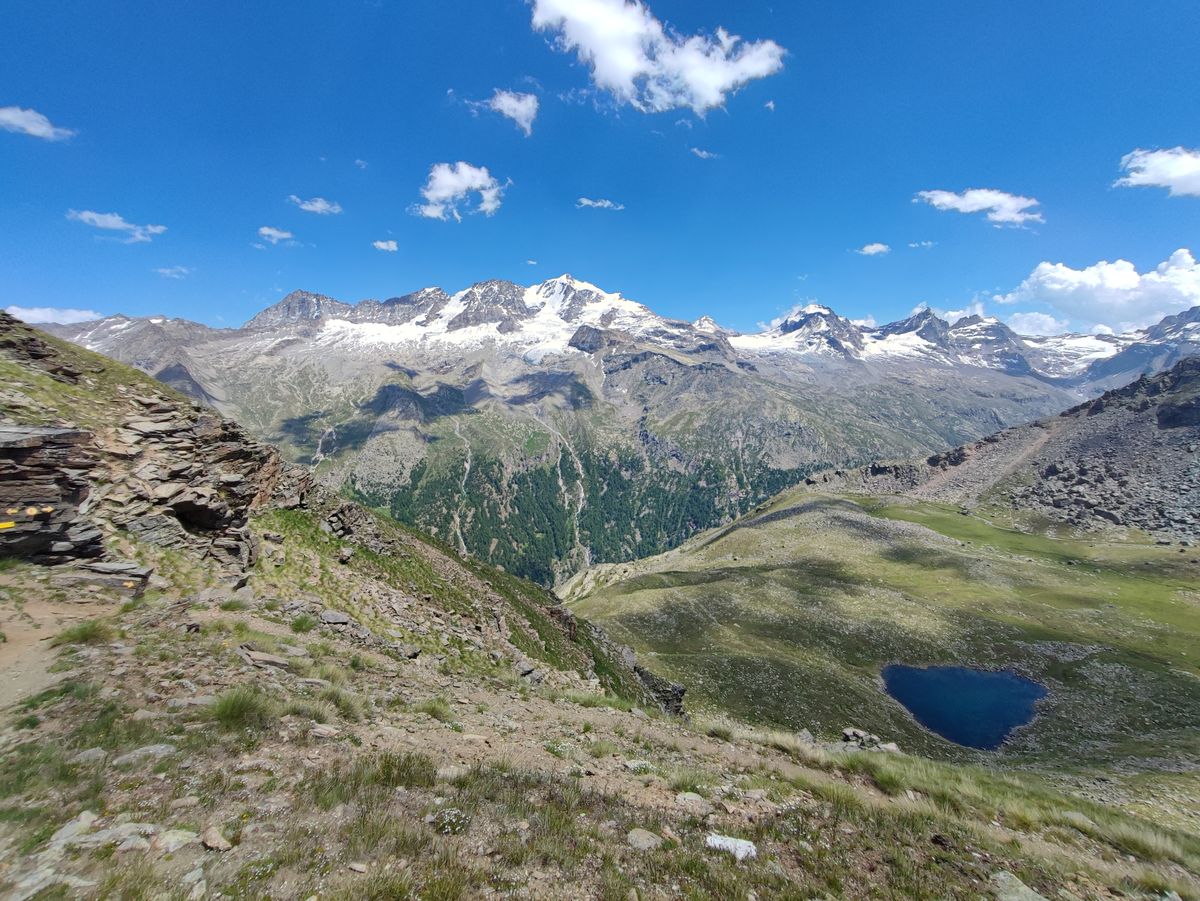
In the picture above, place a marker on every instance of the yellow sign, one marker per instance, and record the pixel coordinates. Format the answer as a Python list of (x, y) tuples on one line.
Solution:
[(7, 525)]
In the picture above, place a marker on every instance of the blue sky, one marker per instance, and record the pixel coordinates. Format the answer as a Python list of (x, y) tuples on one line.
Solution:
[(822, 128)]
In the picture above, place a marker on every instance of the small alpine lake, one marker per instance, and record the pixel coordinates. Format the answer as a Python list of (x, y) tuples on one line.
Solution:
[(971, 707)]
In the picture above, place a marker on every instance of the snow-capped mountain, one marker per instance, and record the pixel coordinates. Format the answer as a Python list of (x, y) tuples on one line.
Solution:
[(566, 315), (522, 423)]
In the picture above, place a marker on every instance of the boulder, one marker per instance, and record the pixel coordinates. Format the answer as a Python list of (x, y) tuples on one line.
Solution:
[(740, 848), (643, 840)]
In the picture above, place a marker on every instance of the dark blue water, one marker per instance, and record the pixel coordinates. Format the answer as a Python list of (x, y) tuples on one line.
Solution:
[(976, 708)]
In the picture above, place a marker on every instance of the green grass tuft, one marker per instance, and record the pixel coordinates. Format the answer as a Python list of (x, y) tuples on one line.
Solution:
[(244, 707)]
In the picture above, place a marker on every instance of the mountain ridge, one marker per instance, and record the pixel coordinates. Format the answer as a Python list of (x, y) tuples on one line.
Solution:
[(526, 424)]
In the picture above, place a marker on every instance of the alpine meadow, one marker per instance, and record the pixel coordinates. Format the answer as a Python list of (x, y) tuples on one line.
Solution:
[(832, 532)]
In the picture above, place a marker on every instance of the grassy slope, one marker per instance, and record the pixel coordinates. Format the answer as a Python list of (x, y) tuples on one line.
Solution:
[(786, 618), (543, 808)]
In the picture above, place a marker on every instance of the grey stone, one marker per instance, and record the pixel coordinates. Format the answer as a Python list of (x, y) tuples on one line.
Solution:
[(643, 840), (695, 804), (214, 840), (90, 756), (149, 752), (1007, 887)]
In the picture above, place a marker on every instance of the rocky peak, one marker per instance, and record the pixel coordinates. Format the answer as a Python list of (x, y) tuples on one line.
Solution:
[(925, 324), (500, 303), (985, 341), (819, 328), (299, 308), (709, 326), (1183, 326)]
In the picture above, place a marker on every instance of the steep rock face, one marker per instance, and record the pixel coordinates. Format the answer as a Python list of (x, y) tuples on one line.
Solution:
[(43, 486), (150, 464), (925, 325)]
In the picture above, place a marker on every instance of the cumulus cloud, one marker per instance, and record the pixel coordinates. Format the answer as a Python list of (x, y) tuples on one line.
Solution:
[(705, 154), (57, 315), (274, 235), (31, 122), (1002, 209), (1177, 170), (952, 316), (867, 321), (135, 234), (521, 108), (1113, 294), (175, 272), (873, 250), (637, 59), (602, 204), (770, 104), (318, 205), (1036, 324), (387, 246), (450, 186)]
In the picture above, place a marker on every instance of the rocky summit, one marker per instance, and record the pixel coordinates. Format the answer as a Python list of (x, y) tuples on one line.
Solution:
[(548, 427), (219, 679)]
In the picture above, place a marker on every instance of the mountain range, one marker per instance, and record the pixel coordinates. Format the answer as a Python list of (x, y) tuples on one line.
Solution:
[(548, 427), (219, 679)]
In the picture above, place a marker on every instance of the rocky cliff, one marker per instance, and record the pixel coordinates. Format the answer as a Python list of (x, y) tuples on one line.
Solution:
[(152, 465)]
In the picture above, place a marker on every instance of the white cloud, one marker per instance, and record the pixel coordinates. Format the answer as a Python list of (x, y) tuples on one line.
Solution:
[(174, 272), (952, 316), (921, 245), (31, 122), (318, 205), (1114, 294), (274, 235), (1177, 170), (867, 321), (873, 250), (639, 61), (58, 315), (770, 104), (1036, 324), (387, 246), (137, 234), (521, 108), (705, 154), (602, 204), (531, 262), (362, 164), (450, 185), (1001, 208)]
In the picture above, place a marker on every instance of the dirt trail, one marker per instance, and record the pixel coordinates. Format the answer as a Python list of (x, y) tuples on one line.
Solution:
[(25, 654), (987, 468)]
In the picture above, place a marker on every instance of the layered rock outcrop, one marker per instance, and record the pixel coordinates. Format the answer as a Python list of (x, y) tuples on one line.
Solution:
[(151, 465)]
